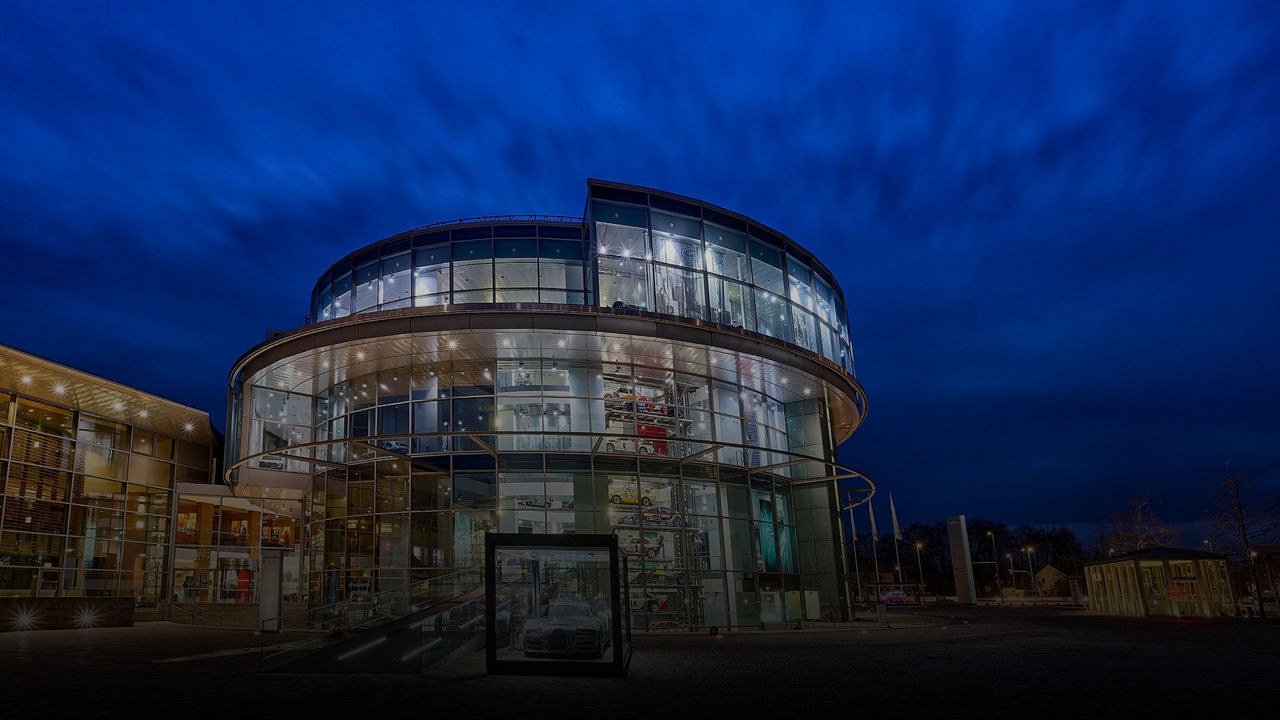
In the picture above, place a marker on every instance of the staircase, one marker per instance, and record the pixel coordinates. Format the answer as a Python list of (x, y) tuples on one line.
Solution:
[(406, 630)]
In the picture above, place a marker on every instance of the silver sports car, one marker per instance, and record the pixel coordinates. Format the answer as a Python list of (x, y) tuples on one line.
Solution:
[(567, 627)]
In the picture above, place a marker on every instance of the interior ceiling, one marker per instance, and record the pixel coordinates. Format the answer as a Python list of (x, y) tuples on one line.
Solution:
[(56, 384)]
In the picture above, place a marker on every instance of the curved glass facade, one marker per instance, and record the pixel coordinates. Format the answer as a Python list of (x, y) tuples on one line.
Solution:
[(476, 263), (404, 443), (640, 251)]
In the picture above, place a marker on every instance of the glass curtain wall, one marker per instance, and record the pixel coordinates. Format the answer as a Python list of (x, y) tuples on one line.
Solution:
[(710, 544), (485, 264), (706, 546), (668, 262), (218, 544), (87, 502)]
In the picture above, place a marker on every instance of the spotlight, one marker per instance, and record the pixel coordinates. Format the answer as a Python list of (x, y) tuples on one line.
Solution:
[(25, 619)]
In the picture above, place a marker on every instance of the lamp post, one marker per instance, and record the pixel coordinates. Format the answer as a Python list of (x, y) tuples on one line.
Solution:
[(1013, 579), (995, 555), (920, 566), (1031, 576)]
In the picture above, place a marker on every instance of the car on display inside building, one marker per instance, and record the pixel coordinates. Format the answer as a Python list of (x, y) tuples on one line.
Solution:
[(660, 577), (628, 398), (629, 445), (271, 462), (627, 495), (566, 627), (643, 547), (399, 446), (893, 597), (654, 516), (649, 602)]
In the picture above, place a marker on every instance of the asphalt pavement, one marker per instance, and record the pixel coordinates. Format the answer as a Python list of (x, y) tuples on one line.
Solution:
[(962, 662)]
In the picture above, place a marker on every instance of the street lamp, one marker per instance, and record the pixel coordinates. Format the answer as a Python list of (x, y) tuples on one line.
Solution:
[(920, 566), (1031, 576)]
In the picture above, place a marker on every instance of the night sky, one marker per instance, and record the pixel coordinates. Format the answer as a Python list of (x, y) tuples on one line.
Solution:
[(1057, 227)]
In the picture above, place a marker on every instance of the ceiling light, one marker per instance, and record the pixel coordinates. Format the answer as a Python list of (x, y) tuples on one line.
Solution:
[(188, 426), (360, 355), (453, 344), (142, 414), (117, 406), (59, 389), (560, 342), (25, 379), (506, 342)]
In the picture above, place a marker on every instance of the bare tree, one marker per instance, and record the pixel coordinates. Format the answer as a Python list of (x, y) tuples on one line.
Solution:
[(1241, 518), (1138, 527)]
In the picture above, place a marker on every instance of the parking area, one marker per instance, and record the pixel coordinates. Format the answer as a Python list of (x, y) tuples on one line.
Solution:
[(1002, 662)]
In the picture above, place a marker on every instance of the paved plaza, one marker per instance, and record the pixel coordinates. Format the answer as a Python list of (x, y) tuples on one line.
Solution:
[(991, 662)]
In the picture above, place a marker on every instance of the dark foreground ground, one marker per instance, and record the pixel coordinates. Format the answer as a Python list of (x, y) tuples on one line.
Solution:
[(958, 662)]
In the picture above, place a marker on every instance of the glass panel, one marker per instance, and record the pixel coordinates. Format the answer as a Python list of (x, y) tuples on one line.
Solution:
[(766, 268), (679, 292), (366, 287), (772, 316), (472, 275), (41, 449), (676, 240), (799, 283), (43, 418), (731, 304), (726, 253), (396, 285), (624, 283), (516, 274), (150, 472), (431, 273), (806, 335)]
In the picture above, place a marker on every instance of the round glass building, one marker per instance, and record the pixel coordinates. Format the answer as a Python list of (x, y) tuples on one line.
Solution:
[(662, 369)]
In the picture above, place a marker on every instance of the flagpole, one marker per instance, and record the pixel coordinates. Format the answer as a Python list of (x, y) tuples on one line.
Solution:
[(897, 536), (875, 554), (853, 537)]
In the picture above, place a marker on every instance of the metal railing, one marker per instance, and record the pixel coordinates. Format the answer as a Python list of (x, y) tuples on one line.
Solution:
[(196, 617), (454, 594)]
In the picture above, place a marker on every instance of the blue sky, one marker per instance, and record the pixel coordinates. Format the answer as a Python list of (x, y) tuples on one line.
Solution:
[(1056, 225)]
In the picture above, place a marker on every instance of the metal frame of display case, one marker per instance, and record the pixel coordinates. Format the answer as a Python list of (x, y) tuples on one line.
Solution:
[(620, 624)]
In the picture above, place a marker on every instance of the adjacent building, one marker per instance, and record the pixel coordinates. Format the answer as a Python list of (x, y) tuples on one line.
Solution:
[(661, 368), (1161, 581), (91, 471)]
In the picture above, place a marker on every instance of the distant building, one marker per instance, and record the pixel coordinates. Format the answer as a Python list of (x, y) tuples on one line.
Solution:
[(1173, 582), (1051, 581)]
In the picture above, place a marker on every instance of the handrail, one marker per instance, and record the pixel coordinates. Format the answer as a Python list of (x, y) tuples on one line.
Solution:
[(499, 218), (841, 472), (205, 620), (377, 599)]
